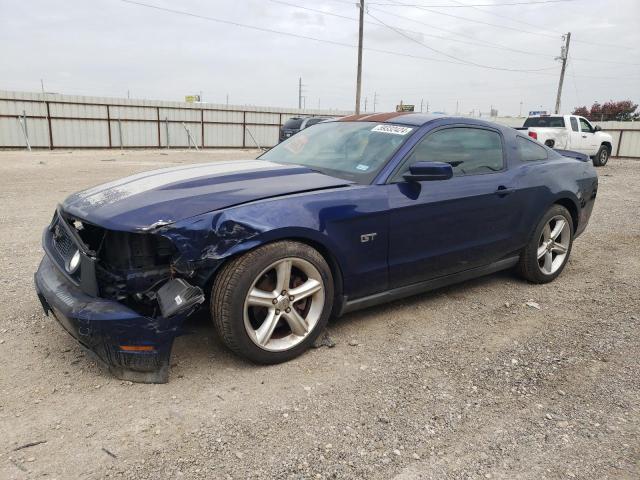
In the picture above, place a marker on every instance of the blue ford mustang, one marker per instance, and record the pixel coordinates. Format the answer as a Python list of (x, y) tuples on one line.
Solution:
[(344, 215)]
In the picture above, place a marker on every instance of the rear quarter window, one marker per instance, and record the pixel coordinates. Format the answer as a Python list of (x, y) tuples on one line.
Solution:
[(574, 124), (530, 151)]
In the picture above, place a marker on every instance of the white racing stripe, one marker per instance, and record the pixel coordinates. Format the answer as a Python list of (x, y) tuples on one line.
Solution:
[(123, 188)]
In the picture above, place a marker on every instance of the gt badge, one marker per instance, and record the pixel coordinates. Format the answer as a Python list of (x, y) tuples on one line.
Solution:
[(367, 237)]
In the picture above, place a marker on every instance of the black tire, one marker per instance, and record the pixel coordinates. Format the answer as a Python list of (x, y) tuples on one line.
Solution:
[(232, 285), (528, 266), (602, 157)]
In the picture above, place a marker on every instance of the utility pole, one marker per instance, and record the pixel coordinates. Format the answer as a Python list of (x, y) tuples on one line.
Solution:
[(365, 103), (299, 93), (359, 78), (427, 106), (421, 104), (564, 54), (375, 101), (457, 110)]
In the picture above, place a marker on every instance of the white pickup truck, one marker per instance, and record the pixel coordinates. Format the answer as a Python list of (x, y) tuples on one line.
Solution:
[(570, 132)]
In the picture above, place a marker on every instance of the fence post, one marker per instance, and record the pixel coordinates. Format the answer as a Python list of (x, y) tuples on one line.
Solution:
[(201, 128), (109, 126), (49, 124), (166, 128), (619, 143), (244, 129), (120, 132), (158, 120)]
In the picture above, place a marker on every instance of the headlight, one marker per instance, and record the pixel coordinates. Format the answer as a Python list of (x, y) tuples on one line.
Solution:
[(74, 263)]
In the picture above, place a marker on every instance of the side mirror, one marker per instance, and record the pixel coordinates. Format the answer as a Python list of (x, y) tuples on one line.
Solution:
[(597, 128), (427, 171)]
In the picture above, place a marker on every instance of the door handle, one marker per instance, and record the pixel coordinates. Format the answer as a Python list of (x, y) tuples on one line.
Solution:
[(584, 136), (503, 191)]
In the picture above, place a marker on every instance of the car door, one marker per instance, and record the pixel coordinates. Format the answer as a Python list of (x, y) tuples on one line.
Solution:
[(576, 142), (590, 142), (447, 226)]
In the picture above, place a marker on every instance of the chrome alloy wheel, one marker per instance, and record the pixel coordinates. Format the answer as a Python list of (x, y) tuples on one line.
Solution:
[(284, 304), (553, 245)]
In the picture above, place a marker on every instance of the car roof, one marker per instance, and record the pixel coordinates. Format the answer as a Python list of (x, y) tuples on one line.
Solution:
[(415, 119)]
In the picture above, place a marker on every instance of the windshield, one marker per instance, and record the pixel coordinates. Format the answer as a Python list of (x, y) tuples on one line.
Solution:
[(350, 150), (553, 122)]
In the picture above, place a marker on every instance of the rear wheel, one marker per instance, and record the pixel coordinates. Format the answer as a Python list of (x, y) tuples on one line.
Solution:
[(602, 157), (270, 304), (547, 252)]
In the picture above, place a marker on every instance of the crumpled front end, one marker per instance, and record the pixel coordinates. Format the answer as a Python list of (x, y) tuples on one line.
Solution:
[(117, 293)]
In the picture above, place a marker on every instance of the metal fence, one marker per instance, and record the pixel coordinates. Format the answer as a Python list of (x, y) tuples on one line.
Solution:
[(35, 120), (61, 121)]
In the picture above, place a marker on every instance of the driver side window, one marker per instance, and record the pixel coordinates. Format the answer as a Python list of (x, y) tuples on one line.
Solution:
[(585, 126), (470, 151)]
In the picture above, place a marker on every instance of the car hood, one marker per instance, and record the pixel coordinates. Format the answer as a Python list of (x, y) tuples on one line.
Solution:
[(160, 197)]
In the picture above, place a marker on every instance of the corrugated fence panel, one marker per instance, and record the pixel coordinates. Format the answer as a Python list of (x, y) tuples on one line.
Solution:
[(77, 111), (79, 133), (222, 116), (11, 132), (133, 112), (134, 134), (10, 107), (259, 117), (223, 135), (630, 146), (266, 136), (183, 115), (615, 140), (178, 135)]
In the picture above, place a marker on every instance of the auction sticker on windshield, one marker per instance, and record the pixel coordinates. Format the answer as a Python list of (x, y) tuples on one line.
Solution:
[(393, 129), (297, 143)]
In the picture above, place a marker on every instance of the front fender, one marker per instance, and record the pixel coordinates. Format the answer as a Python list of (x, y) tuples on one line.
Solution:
[(334, 221)]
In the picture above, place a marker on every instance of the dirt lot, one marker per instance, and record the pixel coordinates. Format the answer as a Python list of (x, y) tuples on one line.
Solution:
[(465, 382)]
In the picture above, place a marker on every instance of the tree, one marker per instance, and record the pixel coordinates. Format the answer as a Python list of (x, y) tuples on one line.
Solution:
[(622, 111)]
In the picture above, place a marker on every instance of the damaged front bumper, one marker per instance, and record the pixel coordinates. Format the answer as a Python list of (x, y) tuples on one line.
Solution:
[(133, 347)]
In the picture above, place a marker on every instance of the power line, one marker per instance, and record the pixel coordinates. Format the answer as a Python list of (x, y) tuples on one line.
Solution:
[(504, 27), (401, 33), (331, 14), (510, 19), (474, 40), (321, 40), (495, 45)]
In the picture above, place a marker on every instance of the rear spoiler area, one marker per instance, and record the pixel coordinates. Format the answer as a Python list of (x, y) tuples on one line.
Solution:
[(571, 154)]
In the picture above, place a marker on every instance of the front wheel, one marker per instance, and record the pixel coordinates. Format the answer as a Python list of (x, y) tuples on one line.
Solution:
[(547, 252), (270, 304), (602, 157)]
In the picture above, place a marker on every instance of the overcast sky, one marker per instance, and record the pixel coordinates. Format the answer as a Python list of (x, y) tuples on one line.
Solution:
[(109, 47)]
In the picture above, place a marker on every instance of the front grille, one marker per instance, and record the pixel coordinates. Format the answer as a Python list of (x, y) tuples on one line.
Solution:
[(63, 242), (62, 245)]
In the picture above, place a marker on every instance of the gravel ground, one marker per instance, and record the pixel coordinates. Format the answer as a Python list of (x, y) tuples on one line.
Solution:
[(464, 382)]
